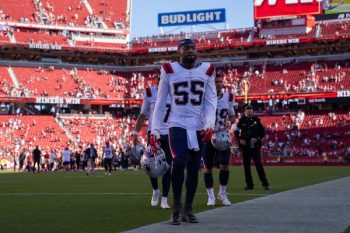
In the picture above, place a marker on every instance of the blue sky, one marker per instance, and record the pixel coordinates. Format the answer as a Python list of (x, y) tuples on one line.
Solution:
[(239, 14)]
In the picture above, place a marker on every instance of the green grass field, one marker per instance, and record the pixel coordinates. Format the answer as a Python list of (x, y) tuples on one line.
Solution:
[(347, 230), (73, 202)]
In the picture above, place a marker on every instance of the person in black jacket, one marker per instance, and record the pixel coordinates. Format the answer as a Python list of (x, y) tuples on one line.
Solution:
[(249, 133), (36, 157), (91, 155)]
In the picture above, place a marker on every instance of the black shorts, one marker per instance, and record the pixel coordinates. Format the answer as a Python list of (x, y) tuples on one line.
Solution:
[(211, 156)]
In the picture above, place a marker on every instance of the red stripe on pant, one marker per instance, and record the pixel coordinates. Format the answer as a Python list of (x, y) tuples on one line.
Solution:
[(173, 154)]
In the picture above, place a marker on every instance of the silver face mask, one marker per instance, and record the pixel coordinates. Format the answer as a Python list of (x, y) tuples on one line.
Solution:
[(221, 140), (154, 164)]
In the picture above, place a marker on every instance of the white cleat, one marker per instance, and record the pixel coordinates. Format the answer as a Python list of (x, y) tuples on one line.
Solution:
[(223, 198), (211, 201), (164, 203), (155, 198)]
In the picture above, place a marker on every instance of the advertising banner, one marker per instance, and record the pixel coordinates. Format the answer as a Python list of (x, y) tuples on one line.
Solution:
[(191, 17), (265, 9)]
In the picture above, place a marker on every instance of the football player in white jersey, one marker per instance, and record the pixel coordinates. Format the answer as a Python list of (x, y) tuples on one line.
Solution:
[(149, 100), (108, 153), (191, 87), (225, 117), (66, 154)]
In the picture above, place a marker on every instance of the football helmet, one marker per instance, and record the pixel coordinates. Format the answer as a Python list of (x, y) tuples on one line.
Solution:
[(136, 154), (221, 140), (154, 164)]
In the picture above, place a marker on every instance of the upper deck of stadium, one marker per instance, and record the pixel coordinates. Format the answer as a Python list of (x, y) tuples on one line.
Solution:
[(104, 26)]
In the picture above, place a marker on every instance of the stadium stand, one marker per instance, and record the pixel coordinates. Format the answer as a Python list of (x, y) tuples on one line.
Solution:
[(99, 26), (11, 11), (6, 84), (47, 82), (40, 37), (92, 13), (113, 13), (4, 37), (292, 77), (335, 29), (29, 131), (98, 129)]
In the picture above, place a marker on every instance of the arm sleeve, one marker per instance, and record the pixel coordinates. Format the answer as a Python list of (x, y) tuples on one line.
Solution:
[(210, 103), (162, 95), (145, 105)]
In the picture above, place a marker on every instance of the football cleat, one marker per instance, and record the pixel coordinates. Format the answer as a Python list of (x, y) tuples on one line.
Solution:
[(189, 218), (164, 203), (223, 198), (211, 201), (155, 198), (175, 219)]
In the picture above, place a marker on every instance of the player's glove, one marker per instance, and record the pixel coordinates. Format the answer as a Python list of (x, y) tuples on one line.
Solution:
[(206, 135), (154, 141)]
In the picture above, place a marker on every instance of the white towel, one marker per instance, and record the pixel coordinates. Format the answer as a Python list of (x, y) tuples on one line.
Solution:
[(192, 141)]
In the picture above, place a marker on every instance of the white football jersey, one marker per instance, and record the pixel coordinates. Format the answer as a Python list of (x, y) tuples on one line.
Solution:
[(147, 108), (225, 107), (66, 155), (52, 157), (193, 96), (108, 152)]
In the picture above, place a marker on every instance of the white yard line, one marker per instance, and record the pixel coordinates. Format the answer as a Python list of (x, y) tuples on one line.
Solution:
[(113, 194)]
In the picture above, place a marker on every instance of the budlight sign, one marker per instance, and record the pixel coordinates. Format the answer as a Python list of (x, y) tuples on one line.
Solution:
[(191, 17)]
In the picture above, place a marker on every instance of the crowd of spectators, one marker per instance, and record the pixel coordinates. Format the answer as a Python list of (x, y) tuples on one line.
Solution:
[(71, 15), (85, 129), (297, 134), (105, 84), (308, 135), (88, 83)]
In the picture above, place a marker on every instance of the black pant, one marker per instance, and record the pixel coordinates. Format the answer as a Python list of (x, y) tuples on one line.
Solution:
[(84, 164), (36, 161), (254, 154), (78, 162), (108, 164)]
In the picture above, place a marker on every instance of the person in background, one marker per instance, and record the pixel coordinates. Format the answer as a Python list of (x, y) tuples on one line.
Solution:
[(91, 154), (249, 134), (36, 158)]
